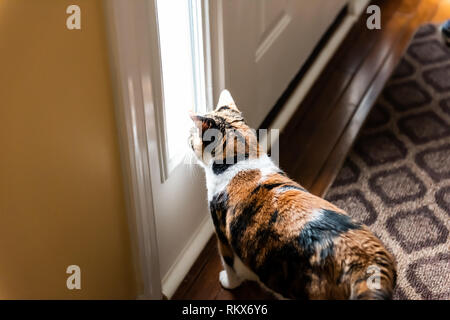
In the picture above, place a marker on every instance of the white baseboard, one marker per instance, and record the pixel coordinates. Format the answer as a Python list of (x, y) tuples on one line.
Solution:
[(187, 257), (356, 7)]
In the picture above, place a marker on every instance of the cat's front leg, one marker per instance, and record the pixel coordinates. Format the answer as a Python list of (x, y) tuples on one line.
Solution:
[(228, 277)]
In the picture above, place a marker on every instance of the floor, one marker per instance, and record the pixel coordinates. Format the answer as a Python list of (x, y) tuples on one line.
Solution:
[(396, 178), (328, 120)]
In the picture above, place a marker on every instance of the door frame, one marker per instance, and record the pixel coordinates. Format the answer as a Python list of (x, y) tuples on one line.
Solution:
[(128, 27), (215, 35), (135, 70)]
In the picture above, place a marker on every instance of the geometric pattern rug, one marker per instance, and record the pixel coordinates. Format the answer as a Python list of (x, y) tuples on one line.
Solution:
[(396, 178)]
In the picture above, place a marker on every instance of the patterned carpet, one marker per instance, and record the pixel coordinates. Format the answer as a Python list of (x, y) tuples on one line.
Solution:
[(396, 179)]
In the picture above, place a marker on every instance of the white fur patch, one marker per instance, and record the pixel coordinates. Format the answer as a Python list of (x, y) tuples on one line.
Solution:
[(315, 215), (217, 183), (228, 280)]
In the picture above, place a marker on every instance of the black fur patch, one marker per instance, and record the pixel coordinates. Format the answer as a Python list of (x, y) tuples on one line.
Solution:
[(218, 207), (241, 223), (273, 218), (286, 271), (281, 187), (374, 295), (322, 231), (268, 186), (265, 235), (223, 108), (219, 167), (228, 260), (206, 143), (228, 108)]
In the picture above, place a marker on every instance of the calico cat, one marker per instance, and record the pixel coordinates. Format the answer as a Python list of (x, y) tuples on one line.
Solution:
[(271, 230)]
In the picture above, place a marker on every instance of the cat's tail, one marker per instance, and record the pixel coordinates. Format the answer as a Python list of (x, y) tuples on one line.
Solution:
[(376, 282)]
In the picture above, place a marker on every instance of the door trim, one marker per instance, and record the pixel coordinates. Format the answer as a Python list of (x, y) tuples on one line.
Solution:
[(135, 68), (128, 26), (217, 50)]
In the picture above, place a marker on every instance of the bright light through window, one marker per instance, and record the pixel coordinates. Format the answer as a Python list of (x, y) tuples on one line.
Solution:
[(182, 61)]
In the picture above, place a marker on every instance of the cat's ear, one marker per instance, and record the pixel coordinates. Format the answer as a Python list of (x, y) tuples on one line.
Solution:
[(203, 123), (226, 99)]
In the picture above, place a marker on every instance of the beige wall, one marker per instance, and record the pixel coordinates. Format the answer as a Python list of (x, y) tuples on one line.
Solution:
[(61, 197)]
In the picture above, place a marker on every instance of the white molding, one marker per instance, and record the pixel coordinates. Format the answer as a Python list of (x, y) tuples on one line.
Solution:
[(208, 53), (129, 47), (217, 48), (187, 257), (149, 34), (356, 7), (202, 77), (266, 44)]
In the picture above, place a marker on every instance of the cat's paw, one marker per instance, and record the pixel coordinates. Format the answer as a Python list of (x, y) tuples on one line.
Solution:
[(229, 281)]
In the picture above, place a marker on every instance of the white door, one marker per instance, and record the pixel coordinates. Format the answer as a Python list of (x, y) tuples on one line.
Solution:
[(265, 43)]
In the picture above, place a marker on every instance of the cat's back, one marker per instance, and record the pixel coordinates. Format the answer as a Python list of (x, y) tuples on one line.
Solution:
[(298, 244)]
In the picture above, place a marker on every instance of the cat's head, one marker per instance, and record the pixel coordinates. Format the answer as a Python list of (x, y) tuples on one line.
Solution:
[(222, 134)]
